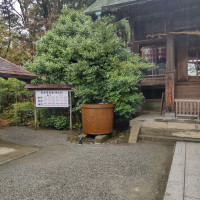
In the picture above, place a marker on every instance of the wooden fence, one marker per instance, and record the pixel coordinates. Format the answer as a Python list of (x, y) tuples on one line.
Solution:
[(187, 107)]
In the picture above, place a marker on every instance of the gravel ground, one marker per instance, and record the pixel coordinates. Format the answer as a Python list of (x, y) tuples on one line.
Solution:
[(27, 136), (66, 171)]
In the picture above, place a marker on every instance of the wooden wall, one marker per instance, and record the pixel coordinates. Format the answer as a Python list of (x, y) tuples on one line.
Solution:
[(152, 23), (156, 19), (182, 62)]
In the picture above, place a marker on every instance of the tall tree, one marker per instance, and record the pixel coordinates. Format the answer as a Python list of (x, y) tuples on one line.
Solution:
[(35, 17), (13, 46), (8, 22), (92, 57)]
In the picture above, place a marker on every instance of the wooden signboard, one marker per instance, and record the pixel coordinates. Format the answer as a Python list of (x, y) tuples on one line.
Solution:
[(51, 96)]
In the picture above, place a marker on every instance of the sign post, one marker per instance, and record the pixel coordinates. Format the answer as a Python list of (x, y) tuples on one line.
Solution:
[(70, 109), (51, 96), (35, 113)]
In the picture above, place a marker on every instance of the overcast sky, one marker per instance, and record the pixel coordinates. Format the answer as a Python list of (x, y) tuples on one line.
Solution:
[(16, 6)]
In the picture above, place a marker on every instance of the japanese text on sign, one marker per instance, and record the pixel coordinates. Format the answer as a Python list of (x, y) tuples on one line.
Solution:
[(51, 98)]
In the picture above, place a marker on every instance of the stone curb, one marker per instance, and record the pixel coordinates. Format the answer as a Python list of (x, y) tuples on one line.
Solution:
[(176, 180)]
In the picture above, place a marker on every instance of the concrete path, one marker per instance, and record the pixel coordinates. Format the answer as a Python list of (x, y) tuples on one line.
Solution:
[(11, 151), (184, 178)]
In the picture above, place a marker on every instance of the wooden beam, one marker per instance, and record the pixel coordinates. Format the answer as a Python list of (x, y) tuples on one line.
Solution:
[(17, 76), (170, 73), (154, 41), (70, 110), (35, 113)]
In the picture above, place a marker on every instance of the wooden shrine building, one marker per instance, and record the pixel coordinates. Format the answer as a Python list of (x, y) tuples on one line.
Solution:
[(11, 70), (166, 33)]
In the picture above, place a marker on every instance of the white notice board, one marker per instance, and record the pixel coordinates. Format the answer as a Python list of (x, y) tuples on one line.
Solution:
[(51, 98)]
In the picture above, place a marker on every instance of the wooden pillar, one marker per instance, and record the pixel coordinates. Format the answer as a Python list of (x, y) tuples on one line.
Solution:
[(35, 113), (70, 110), (35, 117), (170, 73)]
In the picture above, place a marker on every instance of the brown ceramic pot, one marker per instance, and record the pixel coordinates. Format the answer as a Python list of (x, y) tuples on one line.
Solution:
[(97, 118)]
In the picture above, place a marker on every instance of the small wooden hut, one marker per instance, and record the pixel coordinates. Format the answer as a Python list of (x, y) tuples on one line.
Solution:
[(166, 33), (10, 70)]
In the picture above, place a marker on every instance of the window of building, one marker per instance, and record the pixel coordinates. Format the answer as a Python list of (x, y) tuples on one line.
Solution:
[(194, 62), (157, 56)]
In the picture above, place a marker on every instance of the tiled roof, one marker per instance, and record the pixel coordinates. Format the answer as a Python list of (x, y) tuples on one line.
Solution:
[(8, 69), (96, 6), (100, 4)]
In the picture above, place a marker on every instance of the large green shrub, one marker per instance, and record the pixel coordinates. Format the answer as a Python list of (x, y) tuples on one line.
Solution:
[(123, 30), (22, 113), (91, 56), (53, 117), (12, 91), (58, 122)]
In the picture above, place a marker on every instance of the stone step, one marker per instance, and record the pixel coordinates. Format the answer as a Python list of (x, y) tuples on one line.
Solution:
[(171, 125), (169, 132), (166, 139), (156, 127)]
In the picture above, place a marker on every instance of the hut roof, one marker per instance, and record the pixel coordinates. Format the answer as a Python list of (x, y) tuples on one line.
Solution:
[(100, 5), (11, 70)]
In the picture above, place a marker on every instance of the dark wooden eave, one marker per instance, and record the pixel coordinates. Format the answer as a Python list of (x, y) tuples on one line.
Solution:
[(11, 70), (102, 5), (49, 87)]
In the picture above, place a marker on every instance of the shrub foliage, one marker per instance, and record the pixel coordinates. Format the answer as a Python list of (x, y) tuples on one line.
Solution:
[(53, 117), (16, 106), (15, 102), (22, 113), (91, 56), (12, 91)]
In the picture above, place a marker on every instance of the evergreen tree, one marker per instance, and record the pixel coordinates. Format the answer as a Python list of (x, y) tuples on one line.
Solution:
[(91, 56)]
